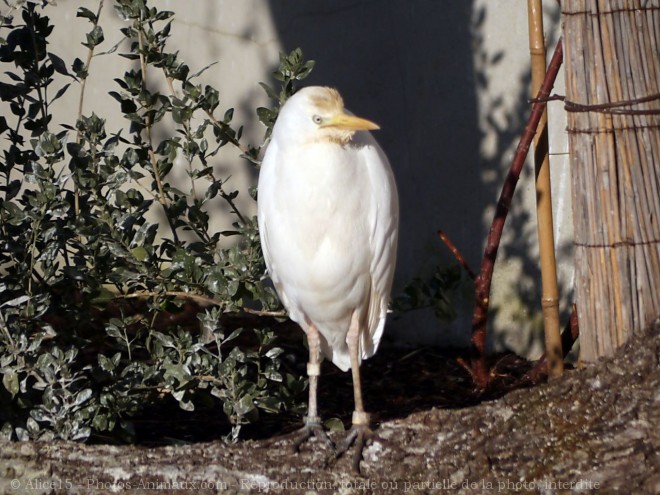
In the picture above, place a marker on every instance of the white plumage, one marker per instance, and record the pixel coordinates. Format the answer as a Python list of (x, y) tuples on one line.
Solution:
[(328, 220)]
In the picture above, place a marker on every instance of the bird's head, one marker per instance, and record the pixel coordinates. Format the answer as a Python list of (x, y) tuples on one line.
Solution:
[(317, 113)]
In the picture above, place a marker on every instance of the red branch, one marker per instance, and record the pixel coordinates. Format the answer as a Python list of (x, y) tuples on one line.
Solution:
[(484, 279), (457, 254)]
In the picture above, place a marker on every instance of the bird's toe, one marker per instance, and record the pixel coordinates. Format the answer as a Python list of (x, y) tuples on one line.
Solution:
[(313, 428), (358, 436)]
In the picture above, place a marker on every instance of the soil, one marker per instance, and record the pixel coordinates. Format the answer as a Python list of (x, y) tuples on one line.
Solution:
[(594, 430)]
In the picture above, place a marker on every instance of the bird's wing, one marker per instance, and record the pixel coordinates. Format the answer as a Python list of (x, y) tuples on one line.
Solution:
[(384, 224), (265, 202), (270, 216)]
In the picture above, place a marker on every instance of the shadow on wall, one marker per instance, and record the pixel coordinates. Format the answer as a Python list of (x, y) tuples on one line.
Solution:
[(515, 301), (236, 42), (414, 68)]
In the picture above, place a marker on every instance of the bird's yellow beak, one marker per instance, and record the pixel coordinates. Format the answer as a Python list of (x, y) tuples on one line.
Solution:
[(350, 123)]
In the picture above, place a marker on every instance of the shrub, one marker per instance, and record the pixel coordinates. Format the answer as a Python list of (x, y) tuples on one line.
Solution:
[(92, 297)]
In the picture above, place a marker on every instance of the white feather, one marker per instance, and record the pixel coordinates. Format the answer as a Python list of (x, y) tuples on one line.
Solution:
[(328, 219)]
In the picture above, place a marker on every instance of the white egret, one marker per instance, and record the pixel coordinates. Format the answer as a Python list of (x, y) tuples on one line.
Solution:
[(328, 216)]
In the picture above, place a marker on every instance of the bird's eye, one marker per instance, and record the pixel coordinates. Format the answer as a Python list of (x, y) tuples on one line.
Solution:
[(317, 119)]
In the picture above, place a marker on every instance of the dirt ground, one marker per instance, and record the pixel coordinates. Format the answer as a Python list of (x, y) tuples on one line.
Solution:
[(594, 430)]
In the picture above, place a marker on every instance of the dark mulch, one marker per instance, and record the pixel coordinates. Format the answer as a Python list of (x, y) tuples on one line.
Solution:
[(397, 382)]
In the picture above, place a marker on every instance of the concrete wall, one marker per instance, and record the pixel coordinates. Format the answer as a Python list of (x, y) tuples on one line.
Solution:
[(446, 80)]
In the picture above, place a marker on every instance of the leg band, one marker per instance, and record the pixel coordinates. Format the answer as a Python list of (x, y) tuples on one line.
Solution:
[(360, 418), (312, 420), (313, 369)]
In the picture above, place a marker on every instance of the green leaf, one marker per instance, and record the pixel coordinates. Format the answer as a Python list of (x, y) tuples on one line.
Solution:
[(244, 406), (233, 335), (269, 91), (166, 340), (334, 424), (187, 405), (105, 363), (100, 422), (83, 396), (181, 114), (103, 296), (86, 13), (10, 381), (94, 37), (211, 99), (73, 273), (32, 427), (272, 374), (266, 116), (140, 253), (17, 301)]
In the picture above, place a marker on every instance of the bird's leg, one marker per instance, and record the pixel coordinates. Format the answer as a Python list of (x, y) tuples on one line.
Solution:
[(313, 425), (360, 431), (313, 373)]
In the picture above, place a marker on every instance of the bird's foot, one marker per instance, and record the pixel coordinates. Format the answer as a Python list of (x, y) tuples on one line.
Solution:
[(312, 428), (359, 433)]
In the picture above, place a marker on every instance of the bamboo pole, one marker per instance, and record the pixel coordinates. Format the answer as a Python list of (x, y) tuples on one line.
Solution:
[(568, 337), (613, 104), (544, 221)]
